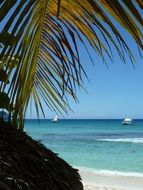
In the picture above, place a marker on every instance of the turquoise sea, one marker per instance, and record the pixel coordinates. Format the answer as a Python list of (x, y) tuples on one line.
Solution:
[(93, 144)]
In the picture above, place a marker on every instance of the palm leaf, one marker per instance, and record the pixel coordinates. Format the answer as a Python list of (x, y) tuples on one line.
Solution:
[(45, 41)]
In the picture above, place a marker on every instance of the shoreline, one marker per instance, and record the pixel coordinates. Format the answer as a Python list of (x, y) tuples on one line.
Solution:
[(105, 180)]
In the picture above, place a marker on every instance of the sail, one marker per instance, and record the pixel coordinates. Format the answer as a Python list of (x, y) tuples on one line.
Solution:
[(56, 118)]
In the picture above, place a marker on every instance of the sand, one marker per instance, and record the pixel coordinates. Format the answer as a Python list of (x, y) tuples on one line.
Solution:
[(89, 187), (105, 181)]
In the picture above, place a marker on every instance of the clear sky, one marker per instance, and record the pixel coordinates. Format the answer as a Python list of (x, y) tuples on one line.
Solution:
[(116, 92)]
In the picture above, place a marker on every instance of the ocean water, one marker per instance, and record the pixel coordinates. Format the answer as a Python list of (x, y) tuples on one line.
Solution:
[(100, 145)]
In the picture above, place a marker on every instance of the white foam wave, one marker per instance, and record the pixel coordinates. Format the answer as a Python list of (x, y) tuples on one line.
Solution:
[(127, 140), (110, 172)]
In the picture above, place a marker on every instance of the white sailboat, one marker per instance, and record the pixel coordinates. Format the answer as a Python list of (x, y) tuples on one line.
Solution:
[(56, 119)]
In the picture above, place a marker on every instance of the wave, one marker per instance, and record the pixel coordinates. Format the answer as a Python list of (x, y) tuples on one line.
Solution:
[(109, 172), (126, 140)]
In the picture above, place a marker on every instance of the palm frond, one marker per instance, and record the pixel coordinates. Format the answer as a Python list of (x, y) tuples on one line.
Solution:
[(43, 37)]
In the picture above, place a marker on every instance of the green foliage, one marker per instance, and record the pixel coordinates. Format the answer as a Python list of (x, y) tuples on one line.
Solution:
[(7, 39), (3, 76), (4, 101), (43, 36)]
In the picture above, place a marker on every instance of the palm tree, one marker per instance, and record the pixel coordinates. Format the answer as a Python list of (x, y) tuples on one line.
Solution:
[(39, 54)]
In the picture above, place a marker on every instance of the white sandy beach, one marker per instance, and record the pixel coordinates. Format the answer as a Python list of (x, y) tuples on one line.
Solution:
[(105, 181)]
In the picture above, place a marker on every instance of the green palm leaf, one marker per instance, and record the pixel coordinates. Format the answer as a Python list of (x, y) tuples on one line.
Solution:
[(45, 35)]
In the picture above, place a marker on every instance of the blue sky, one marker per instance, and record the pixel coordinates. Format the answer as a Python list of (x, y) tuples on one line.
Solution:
[(112, 93), (116, 92)]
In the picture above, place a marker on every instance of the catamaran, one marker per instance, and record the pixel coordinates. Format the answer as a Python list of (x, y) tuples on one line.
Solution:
[(127, 121)]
